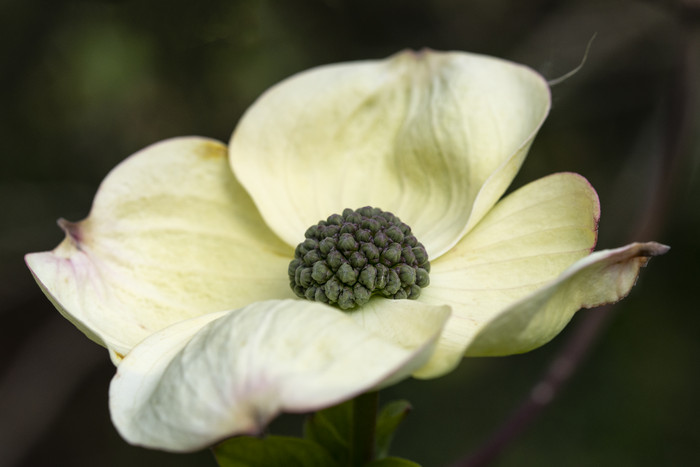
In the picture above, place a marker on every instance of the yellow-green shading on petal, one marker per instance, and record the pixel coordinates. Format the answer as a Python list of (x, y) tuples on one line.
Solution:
[(526, 241), (171, 235), (433, 137), (401, 321)]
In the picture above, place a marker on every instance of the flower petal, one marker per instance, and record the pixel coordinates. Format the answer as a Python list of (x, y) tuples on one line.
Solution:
[(401, 321), (527, 259), (435, 138), (526, 241), (171, 235), (202, 380), (603, 277)]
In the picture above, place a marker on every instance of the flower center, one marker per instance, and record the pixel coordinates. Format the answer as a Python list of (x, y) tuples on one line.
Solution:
[(350, 257)]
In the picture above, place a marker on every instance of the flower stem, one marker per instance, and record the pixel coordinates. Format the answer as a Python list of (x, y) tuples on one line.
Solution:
[(364, 413)]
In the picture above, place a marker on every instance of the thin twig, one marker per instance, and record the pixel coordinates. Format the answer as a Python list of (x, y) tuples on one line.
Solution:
[(541, 395), (593, 323)]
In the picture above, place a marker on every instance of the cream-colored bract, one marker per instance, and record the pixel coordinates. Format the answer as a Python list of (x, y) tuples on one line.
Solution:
[(605, 276), (171, 235), (203, 379), (521, 245), (435, 138), (182, 264)]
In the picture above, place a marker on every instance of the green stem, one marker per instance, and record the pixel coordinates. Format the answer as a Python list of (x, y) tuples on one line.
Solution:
[(364, 423)]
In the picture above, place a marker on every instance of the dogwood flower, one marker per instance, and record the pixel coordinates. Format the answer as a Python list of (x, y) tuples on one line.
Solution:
[(182, 268)]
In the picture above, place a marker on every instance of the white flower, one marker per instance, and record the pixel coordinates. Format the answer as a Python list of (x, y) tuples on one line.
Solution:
[(181, 268)]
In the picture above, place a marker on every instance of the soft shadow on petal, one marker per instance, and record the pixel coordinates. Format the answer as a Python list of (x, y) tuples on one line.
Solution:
[(404, 322), (195, 382), (171, 235), (526, 241), (603, 277), (435, 138)]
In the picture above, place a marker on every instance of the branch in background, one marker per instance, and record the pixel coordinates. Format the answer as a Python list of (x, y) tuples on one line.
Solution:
[(677, 138)]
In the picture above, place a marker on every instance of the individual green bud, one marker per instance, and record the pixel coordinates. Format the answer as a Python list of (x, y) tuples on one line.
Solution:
[(293, 265), (362, 294), (298, 290), (407, 255), (348, 228), (363, 236), (310, 244), (372, 225), (335, 259), (311, 257), (407, 275), (357, 260), (346, 299), (305, 279), (300, 251), (420, 254), (410, 240), (320, 295), (370, 251), (393, 283), (414, 292), (346, 274), (382, 276), (394, 233), (321, 272), (332, 289), (331, 230), (368, 277), (381, 240), (347, 242), (335, 219), (392, 254), (400, 294), (352, 217), (312, 231), (422, 277), (326, 245), (310, 293)]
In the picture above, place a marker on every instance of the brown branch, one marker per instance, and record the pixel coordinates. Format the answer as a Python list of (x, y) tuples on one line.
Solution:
[(677, 143), (541, 395)]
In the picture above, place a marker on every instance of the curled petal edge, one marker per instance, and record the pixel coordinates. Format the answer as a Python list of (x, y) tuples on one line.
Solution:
[(524, 243), (603, 277)]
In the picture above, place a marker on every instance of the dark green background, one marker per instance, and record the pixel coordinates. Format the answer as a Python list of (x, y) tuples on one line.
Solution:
[(86, 83)]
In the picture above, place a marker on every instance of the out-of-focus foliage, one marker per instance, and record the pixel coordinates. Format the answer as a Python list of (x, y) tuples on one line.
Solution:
[(83, 84)]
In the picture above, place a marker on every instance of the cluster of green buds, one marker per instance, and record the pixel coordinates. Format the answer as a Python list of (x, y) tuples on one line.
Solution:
[(347, 258)]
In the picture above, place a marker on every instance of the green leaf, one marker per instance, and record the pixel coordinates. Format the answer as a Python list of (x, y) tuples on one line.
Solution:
[(391, 415), (392, 462), (332, 429), (272, 451)]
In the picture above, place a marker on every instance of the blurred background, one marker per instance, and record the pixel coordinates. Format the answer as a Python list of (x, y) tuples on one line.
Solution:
[(83, 84)]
